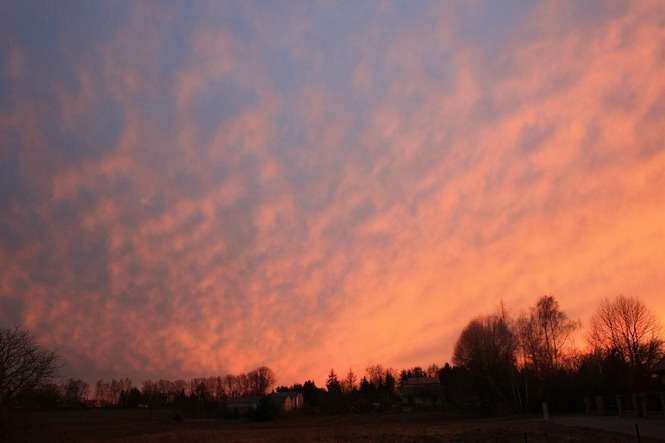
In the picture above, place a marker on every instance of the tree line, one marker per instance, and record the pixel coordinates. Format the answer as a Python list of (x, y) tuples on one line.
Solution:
[(204, 392), (505, 363), (500, 363)]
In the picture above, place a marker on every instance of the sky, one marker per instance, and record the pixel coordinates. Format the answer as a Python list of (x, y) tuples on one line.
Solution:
[(201, 188)]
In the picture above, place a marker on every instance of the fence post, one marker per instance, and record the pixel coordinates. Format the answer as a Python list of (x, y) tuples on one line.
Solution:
[(546, 411), (662, 402), (619, 405)]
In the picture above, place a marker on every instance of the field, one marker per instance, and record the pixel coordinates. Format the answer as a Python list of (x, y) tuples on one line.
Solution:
[(143, 426)]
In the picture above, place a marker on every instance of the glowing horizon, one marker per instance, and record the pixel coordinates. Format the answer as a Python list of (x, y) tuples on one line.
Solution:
[(205, 189)]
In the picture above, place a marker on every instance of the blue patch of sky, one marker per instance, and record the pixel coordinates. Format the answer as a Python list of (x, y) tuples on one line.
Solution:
[(95, 133), (7, 91), (48, 30), (494, 22), (222, 100)]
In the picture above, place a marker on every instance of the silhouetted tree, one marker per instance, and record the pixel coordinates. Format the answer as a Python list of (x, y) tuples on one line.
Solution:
[(103, 395), (311, 394), (624, 325), (200, 392), (487, 348), (365, 386), (389, 382), (375, 375), (403, 376), (231, 386), (24, 365), (75, 392), (334, 392), (433, 370), (332, 384), (260, 380), (349, 382), (543, 335)]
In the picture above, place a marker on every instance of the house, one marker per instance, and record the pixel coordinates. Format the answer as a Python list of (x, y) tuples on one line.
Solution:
[(287, 401), (421, 391)]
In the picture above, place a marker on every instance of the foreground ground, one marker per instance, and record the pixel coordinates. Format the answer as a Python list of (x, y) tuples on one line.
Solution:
[(141, 426)]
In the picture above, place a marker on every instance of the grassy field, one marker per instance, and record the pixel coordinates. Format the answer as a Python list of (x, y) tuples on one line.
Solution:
[(143, 426)]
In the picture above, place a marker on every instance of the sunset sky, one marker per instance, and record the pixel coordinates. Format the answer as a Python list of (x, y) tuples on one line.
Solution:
[(198, 188)]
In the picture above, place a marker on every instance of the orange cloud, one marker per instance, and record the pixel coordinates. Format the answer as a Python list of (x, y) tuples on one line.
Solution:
[(291, 202)]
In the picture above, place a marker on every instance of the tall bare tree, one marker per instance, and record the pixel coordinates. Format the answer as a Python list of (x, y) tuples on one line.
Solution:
[(260, 380), (544, 334), (231, 388), (375, 374), (103, 395), (626, 326), (23, 364), (75, 392)]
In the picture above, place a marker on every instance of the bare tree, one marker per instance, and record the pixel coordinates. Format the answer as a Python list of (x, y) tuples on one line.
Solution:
[(231, 388), (23, 364), (375, 374), (216, 387), (116, 389), (544, 334), (260, 380), (75, 392), (243, 384), (626, 326), (103, 395)]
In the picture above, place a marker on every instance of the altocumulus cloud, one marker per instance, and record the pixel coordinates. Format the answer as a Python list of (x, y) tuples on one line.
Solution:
[(198, 190)]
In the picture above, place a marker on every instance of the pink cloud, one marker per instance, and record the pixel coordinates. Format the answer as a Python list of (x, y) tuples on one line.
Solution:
[(307, 229)]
